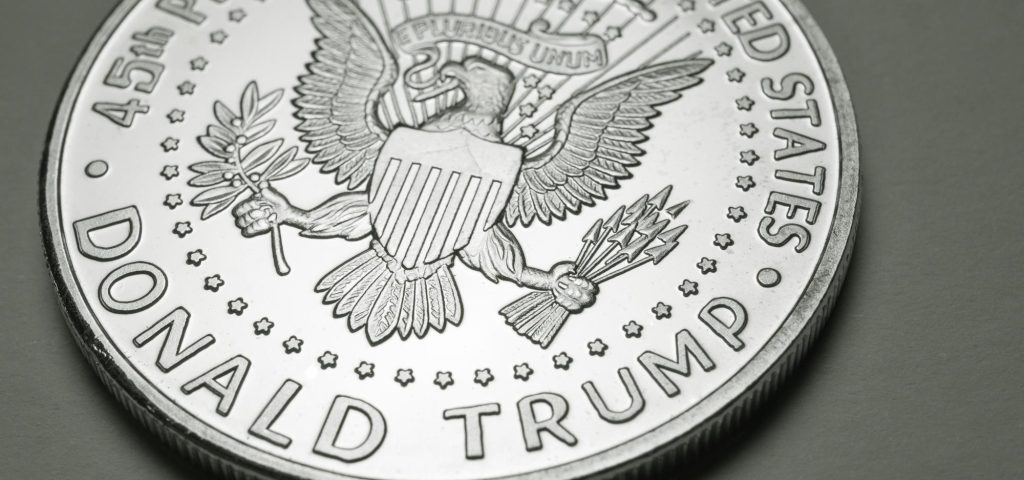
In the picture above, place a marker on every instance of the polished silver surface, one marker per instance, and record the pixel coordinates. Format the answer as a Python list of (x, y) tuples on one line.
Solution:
[(450, 239)]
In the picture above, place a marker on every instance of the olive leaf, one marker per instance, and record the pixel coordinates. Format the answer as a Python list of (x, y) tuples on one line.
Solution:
[(233, 140)]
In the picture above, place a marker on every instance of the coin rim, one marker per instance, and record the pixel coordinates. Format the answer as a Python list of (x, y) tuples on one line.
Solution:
[(675, 440)]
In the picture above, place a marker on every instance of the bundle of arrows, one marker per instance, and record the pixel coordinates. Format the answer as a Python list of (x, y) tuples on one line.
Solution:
[(630, 238)]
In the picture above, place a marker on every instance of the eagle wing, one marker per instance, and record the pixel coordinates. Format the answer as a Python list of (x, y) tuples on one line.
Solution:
[(597, 138), (351, 70)]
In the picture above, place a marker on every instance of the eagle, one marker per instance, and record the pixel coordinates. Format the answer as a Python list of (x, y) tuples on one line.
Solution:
[(449, 187)]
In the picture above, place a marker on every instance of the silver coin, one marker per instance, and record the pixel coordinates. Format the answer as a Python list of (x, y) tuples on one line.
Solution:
[(450, 239)]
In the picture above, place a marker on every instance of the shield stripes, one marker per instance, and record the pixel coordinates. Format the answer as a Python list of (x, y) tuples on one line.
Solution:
[(435, 190)]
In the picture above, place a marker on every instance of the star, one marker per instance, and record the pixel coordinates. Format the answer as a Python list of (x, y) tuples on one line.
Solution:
[(173, 201), (176, 116), (745, 183), (633, 329), (531, 81), (723, 241), (737, 214), (744, 104), (566, 5), (686, 5), (736, 75), (689, 288), (364, 370), (749, 157), (218, 37), (292, 345), (748, 130), (707, 265), (213, 283), (444, 380), (545, 92), (263, 326), (169, 171), (327, 360), (483, 377), (236, 15), (170, 144), (723, 49), (706, 26), (404, 377), (528, 132), (662, 311), (597, 348), (590, 17), (527, 109), (187, 88), (195, 258), (562, 361), (611, 33), (182, 229), (523, 371), (199, 63), (237, 306)]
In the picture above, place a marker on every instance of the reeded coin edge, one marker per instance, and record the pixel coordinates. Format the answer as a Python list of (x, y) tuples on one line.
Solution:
[(676, 441)]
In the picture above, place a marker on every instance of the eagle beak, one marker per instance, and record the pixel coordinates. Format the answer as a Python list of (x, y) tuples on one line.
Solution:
[(449, 78)]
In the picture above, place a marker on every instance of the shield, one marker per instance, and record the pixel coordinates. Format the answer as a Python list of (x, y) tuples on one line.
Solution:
[(431, 191)]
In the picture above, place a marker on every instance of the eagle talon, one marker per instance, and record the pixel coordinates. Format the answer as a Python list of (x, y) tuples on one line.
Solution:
[(571, 292)]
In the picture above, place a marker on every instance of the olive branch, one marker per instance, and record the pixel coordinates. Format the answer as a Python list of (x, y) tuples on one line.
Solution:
[(244, 165)]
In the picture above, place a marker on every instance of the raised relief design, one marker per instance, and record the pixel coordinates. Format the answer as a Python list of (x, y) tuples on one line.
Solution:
[(434, 172)]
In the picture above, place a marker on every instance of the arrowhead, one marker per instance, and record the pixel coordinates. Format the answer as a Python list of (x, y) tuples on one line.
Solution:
[(593, 235), (615, 219), (622, 237), (648, 222), (661, 251), (635, 210), (675, 210), (672, 235), (636, 248), (654, 230), (661, 198)]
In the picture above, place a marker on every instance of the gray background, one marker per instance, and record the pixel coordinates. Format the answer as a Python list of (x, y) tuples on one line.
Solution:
[(918, 374)]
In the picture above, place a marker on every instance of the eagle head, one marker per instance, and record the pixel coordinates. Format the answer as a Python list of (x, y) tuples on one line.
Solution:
[(486, 85)]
